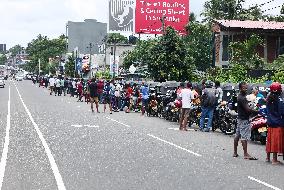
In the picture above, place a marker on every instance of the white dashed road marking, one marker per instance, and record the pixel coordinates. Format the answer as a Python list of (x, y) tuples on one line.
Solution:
[(263, 183), (89, 126), (177, 129), (118, 122)]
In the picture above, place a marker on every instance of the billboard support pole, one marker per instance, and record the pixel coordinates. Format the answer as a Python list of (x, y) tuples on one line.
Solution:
[(114, 64), (163, 23)]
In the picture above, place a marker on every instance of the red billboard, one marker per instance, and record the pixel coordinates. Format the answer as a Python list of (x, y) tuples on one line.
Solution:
[(150, 13)]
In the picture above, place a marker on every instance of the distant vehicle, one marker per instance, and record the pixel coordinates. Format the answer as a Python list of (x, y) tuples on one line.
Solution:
[(2, 83), (29, 76), (19, 77)]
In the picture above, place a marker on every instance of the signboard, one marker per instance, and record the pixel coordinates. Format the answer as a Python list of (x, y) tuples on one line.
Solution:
[(114, 65), (121, 16), (78, 65), (150, 13), (86, 62)]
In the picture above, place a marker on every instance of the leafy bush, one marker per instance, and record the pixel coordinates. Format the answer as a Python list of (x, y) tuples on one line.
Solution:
[(277, 64), (279, 76), (245, 52)]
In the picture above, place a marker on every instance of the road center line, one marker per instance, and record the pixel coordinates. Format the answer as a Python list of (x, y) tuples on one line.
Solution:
[(263, 183), (51, 159), (118, 122), (6, 143), (176, 146)]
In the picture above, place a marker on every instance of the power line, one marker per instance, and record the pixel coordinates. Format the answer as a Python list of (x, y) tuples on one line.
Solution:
[(261, 5), (266, 3), (272, 8)]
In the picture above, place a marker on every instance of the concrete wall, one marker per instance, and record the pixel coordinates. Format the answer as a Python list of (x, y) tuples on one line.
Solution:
[(120, 49), (81, 34)]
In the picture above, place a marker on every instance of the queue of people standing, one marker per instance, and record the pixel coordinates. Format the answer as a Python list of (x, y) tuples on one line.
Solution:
[(212, 96), (115, 95), (125, 97)]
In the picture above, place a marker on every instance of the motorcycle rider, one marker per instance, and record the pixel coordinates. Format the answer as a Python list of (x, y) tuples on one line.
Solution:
[(275, 121), (208, 102), (243, 131)]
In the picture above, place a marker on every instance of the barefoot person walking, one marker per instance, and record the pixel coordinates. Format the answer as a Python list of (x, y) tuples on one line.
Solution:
[(243, 127)]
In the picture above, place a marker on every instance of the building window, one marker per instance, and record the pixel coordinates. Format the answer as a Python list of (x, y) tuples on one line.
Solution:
[(111, 50), (225, 44)]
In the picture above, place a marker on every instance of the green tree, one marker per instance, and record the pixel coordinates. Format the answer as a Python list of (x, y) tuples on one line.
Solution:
[(230, 10), (70, 66), (245, 53), (165, 57), (141, 55), (43, 48), (15, 50), (3, 59), (199, 45), (112, 38), (279, 18)]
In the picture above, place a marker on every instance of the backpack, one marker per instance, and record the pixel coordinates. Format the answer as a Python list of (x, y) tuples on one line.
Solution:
[(208, 98)]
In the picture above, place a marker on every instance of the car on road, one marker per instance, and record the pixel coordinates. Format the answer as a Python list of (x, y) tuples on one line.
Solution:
[(2, 83), (19, 77), (29, 76)]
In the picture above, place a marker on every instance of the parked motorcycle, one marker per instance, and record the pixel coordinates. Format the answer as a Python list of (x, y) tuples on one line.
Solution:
[(194, 116), (259, 126)]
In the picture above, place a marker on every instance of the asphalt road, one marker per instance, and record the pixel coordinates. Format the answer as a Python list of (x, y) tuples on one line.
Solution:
[(50, 142)]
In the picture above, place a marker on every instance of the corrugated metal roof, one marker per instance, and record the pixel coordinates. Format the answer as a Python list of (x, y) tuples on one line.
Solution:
[(248, 24)]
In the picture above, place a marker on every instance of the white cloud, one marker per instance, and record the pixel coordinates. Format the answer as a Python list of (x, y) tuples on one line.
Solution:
[(23, 20)]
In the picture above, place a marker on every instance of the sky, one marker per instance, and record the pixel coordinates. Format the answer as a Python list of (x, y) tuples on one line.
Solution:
[(23, 20)]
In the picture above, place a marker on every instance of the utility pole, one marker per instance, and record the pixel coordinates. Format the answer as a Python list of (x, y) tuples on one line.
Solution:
[(38, 67), (105, 48), (114, 60), (163, 23), (66, 37), (90, 48)]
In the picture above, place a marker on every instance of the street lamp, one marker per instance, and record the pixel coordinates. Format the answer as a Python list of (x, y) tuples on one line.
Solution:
[(114, 60), (90, 47)]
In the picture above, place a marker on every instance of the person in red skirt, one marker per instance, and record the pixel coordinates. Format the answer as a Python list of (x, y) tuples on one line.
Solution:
[(275, 121)]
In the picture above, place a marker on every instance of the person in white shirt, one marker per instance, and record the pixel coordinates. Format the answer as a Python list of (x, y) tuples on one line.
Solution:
[(186, 96), (51, 84), (73, 87), (57, 84)]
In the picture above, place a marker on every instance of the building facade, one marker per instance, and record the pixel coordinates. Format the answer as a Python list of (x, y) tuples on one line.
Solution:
[(3, 48), (227, 31), (87, 36)]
